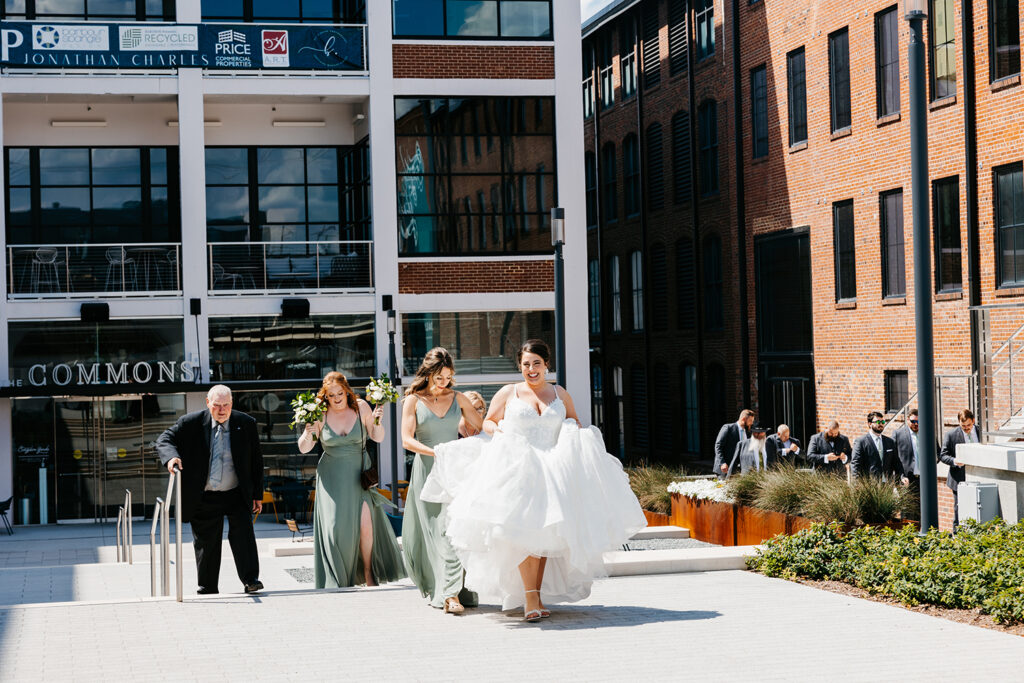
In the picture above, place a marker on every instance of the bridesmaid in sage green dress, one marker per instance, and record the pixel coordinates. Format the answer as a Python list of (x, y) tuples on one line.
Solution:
[(353, 542), (430, 415)]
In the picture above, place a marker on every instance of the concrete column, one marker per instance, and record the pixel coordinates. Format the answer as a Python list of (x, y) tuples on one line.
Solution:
[(569, 138), (6, 454), (192, 155), (5, 364), (385, 202)]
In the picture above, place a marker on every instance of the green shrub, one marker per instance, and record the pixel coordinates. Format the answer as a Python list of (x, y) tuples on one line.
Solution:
[(877, 501), (982, 566), (832, 499), (743, 488)]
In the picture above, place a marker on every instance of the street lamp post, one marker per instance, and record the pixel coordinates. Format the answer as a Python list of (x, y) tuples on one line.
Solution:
[(916, 11), (393, 431), (557, 240)]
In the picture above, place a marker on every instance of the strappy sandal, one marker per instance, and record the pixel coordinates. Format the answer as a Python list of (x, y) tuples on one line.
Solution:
[(533, 614), (453, 606)]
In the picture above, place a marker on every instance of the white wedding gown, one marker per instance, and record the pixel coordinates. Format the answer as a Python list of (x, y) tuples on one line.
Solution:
[(541, 486)]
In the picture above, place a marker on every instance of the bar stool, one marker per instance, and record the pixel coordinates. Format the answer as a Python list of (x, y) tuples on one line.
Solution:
[(44, 270), (117, 263)]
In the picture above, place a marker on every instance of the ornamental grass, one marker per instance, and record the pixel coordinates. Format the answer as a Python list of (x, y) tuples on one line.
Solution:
[(650, 485), (981, 567)]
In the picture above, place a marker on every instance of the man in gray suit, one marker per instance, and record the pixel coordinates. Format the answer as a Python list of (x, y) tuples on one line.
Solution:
[(729, 435), (906, 448), (967, 432)]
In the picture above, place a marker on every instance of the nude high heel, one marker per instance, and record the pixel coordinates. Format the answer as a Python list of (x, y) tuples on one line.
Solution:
[(533, 614)]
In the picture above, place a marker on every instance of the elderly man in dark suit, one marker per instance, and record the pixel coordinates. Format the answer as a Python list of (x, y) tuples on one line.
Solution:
[(218, 452), (874, 453), (782, 447), (967, 432), (829, 451), (729, 435)]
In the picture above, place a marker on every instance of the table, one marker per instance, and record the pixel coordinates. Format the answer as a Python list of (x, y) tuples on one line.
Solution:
[(147, 258)]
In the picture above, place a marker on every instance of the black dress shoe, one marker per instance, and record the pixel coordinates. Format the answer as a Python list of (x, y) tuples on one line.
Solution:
[(207, 591), (253, 587)]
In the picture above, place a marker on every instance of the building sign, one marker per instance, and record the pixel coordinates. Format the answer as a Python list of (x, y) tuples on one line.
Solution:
[(78, 374), (91, 45)]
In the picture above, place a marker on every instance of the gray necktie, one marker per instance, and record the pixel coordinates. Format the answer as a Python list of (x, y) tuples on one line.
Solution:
[(217, 457)]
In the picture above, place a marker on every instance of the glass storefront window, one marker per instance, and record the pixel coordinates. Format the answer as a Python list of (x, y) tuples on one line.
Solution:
[(69, 355), (472, 19), (474, 174), (275, 348), (93, 10), (97, 195), (481, 343)]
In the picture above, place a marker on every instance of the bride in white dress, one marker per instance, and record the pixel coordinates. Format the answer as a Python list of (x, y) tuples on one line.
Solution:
[(534, 502)]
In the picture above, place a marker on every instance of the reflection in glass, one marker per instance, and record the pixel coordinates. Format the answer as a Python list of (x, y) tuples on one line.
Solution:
[(114, 8), (282, 204), (159, 206), (322, 165), (14, 7), (18, 167), (481, 343), (116, 166), (226, 165), (280, 165), (323, 203), (227, 204), (117, 205), (232, 9), (65, 205), (522, 18), (472, 18), (418, 17), (20, 205), (273, 348), (59, 166), (284, 9), (66, 7), (158, 166)]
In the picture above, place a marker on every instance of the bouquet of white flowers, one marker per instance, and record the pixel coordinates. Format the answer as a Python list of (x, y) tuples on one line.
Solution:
[(309, 408), (380, 390), (701, 489)]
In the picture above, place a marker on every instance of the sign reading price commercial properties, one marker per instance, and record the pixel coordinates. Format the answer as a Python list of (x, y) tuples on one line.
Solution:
[(239, 47)]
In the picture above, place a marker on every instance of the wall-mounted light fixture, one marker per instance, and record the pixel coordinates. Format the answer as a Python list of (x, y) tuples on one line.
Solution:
[(98, 123), (317, 123)]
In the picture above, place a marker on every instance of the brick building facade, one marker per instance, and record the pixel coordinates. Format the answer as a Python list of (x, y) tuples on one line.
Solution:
[(810, 208)]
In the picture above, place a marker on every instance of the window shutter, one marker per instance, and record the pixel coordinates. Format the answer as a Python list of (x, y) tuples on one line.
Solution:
[(655, 171), (682, 177), (659, 289), (652, 52), (664, 417), (678, 37), (638, 389), (686, 308)]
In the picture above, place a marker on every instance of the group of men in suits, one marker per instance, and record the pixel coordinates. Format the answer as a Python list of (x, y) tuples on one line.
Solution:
[(742, 446)]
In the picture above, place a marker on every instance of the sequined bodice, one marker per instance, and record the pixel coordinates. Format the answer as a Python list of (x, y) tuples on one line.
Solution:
[(541, 430)]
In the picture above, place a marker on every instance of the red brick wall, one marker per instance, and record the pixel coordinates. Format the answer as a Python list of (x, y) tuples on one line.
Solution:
[(443, 277), (473, 61), (945, 506)]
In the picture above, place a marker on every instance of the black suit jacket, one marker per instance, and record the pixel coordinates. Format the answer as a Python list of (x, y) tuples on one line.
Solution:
[(725, 446), (819, 447), (905, 449), (947, 454), (867, 461), (189, 439), (773, 447)]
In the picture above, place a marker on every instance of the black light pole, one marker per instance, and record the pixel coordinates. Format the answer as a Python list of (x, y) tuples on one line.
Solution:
[(397, 382), (915, 15), (557, 240)]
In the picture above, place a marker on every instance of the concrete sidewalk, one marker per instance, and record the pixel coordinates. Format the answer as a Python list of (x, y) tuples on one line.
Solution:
[(720, 626)]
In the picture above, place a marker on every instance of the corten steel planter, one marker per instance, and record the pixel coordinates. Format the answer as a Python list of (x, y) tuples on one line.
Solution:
[(656, 518), (731, 524)]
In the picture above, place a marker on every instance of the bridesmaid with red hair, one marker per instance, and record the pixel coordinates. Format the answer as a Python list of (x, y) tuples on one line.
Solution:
[(353, 542)]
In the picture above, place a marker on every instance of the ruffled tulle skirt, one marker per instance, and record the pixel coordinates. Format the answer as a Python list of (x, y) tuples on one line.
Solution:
[(508, 499)]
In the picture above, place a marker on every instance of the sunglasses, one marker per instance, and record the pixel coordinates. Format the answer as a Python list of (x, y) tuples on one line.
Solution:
[(879, 422), (913, 422)]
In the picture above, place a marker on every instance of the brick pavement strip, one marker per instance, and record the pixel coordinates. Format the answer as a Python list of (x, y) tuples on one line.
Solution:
[(729, 625)]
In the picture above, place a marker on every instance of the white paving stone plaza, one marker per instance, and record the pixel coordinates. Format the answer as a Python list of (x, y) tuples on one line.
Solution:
[(88, 619)]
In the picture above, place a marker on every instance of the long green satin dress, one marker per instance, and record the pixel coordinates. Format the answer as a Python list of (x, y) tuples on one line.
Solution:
[(430, 560), (337, 562)]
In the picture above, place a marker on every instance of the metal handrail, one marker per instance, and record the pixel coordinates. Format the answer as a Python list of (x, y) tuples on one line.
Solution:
[(152, 546), (262, 281), (162, 512), (117, 533), (938, 390)]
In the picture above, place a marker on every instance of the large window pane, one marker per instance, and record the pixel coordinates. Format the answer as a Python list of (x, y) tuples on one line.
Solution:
[(322, 165), (19, 168), (887, 62), (843, 245), (227, 205), (112, 166), (227, 166), (520, 18), (472, 18), (280, 165), (839, 79), (112, 8), (894, 278), (285, 9), (65, 205), (60, 7), (282, 204), (274, 348), (223, 8), (158, 166), (418, 17), (1010, 224), (481, 343), (117, 205), (59, 166), (1004, 34)]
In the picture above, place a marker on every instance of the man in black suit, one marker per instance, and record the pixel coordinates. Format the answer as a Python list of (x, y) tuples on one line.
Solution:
[(218, 452), (874, 454), (782, 447), (729, 435), (967, 432), (829, 451)]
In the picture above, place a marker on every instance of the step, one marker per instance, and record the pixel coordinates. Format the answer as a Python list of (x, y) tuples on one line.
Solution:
[(652, 532), (677, 561)]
